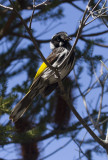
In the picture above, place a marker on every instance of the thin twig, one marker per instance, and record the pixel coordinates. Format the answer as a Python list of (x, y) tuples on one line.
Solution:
[(93, 27), (79, 146), (84, 100), (76, 6), (92, 11), (95, 43), (98, 12), (96, 18), (32, 15), (9, 8), (104, 121), (47, 144), (107, 136), (94, 34), (42, 4), (100, 108), (104, 22), (90, 88), (104, 64), (56, 150)]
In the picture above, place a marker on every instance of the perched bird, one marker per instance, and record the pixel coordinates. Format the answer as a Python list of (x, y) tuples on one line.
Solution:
[(45, 80)]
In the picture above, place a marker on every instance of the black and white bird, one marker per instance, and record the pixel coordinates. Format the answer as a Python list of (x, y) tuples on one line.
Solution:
[(45, 80)]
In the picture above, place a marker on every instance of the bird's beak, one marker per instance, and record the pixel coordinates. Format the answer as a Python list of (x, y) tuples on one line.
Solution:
[(68, 38)]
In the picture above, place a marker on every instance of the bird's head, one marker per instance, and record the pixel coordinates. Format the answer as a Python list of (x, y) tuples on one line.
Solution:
[(60, 39)]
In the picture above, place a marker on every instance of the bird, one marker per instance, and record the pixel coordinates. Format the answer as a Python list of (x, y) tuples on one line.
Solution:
[(45, 80)]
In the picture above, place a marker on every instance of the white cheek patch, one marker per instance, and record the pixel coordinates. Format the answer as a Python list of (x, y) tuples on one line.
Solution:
[(52, 45), (60, 44)]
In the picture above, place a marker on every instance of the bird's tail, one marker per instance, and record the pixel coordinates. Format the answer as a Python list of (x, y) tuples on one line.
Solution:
[(22, 106)]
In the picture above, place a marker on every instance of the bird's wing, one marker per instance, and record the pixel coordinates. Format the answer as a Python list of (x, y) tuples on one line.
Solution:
[(51, 59)]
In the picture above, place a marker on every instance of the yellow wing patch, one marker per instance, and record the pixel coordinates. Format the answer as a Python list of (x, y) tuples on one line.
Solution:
[(40, 70)]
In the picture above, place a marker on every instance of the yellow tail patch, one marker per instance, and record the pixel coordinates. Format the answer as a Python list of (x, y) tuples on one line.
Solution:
[(40, 70)]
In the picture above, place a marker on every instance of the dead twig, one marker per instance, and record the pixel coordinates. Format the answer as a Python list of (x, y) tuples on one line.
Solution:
[(100, 15), (9, 8), (42, 4)]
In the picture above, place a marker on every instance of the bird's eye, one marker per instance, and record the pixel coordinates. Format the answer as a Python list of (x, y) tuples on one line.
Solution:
[(58, 39)]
